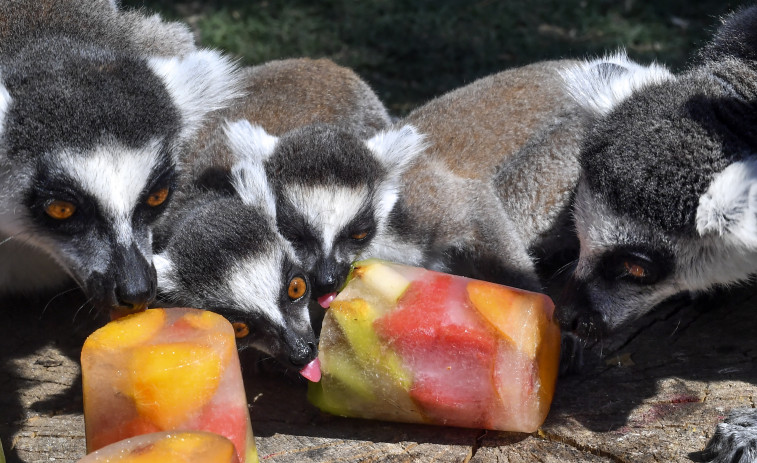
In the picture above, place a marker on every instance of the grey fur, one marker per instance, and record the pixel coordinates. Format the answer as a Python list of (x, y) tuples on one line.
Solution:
[(498, 175), (88, 93), (734, 441)]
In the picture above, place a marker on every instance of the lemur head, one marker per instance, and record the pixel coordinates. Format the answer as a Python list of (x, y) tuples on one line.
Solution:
[(333, 190), (667, 201), (223, 253), (88, 143)]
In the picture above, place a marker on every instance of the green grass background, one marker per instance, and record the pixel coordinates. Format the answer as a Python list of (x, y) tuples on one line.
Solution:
[(413, 50)]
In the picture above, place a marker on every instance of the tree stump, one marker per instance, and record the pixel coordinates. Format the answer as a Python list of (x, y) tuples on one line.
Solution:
[(654, 392)]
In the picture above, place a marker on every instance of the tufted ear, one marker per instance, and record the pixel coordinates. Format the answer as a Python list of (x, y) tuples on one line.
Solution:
[(735, 38), (397, 149), (248, 141), (251, 146), (601, 84), (198, 82), (729, 206)]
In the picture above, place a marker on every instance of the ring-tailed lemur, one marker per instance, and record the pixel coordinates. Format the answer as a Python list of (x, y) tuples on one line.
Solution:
[(667, 200), (241, 247), (222, 252), (92, 115)]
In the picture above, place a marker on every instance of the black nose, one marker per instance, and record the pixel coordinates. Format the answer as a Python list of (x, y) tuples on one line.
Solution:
[(135, 279), (328, 276), (302, 353), (575, 312)]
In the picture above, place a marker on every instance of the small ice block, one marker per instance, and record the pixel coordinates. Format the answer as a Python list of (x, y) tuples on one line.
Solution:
[(164, 370), (167, 447), (407, 344)]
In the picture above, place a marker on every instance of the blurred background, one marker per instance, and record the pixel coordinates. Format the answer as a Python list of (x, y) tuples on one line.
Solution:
[(413, 50)]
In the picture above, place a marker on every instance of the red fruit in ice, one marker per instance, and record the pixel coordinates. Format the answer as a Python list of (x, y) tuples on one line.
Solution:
[(452, 363), (229, 421)]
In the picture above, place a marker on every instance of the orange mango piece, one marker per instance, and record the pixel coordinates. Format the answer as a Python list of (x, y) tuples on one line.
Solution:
[(127, 331), (172, 381), (519, 316), (180, 447)]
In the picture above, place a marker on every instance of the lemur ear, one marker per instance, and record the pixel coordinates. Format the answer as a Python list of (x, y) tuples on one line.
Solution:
[(736, 37), (729, 206), (199, 82), (5, 103), (249, 141), (396, 149), (251, 146), (601, 84)]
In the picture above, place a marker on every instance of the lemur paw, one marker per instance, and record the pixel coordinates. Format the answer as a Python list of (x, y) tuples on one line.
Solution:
[(734, 441)]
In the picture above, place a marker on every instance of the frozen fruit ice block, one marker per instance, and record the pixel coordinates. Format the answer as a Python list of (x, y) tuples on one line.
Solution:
[(167, 447), (165, 370), (407, 344)]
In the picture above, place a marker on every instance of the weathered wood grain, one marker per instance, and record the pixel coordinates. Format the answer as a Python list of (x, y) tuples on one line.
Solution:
[(655, 394)]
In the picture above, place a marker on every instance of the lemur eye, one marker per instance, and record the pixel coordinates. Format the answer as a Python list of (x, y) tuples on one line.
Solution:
[(297, 288), (359, 235), (635, 270), (157, 197), (60, 210), (240, 329)]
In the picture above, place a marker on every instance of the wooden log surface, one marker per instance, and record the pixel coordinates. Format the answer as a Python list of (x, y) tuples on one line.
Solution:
[(655, 394)]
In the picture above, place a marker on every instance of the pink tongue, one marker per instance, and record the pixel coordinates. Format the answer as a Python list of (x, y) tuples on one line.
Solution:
[(312, 371), (326, 299)]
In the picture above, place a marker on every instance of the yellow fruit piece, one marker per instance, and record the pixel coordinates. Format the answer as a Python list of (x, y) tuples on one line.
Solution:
[(518, 316), (382, 279), (199, 447), (169, 382), (355, 317), (127, 331), (182, 447), (204, 319)]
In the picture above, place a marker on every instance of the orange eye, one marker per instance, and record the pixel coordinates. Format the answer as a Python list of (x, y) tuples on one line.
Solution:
[(240, 329), (360, 235), (60, 210), (635, 270), (297, 288), (157, 197)]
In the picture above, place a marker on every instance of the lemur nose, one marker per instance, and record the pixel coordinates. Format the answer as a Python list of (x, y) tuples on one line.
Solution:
[(328, 276), (135, 280), (303, 353)]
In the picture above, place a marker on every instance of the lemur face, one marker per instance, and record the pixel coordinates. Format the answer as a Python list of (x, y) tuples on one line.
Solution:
[(93, 212), (624, 270), (89, 142), (627, 265), (226, 256), (333, 192)]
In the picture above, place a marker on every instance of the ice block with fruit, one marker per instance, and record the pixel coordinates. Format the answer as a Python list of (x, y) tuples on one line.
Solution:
[(163, 370), (407, 344), (167, 447)]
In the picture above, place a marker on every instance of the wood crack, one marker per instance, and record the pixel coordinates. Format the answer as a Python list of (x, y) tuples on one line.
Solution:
[(578, 446)]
